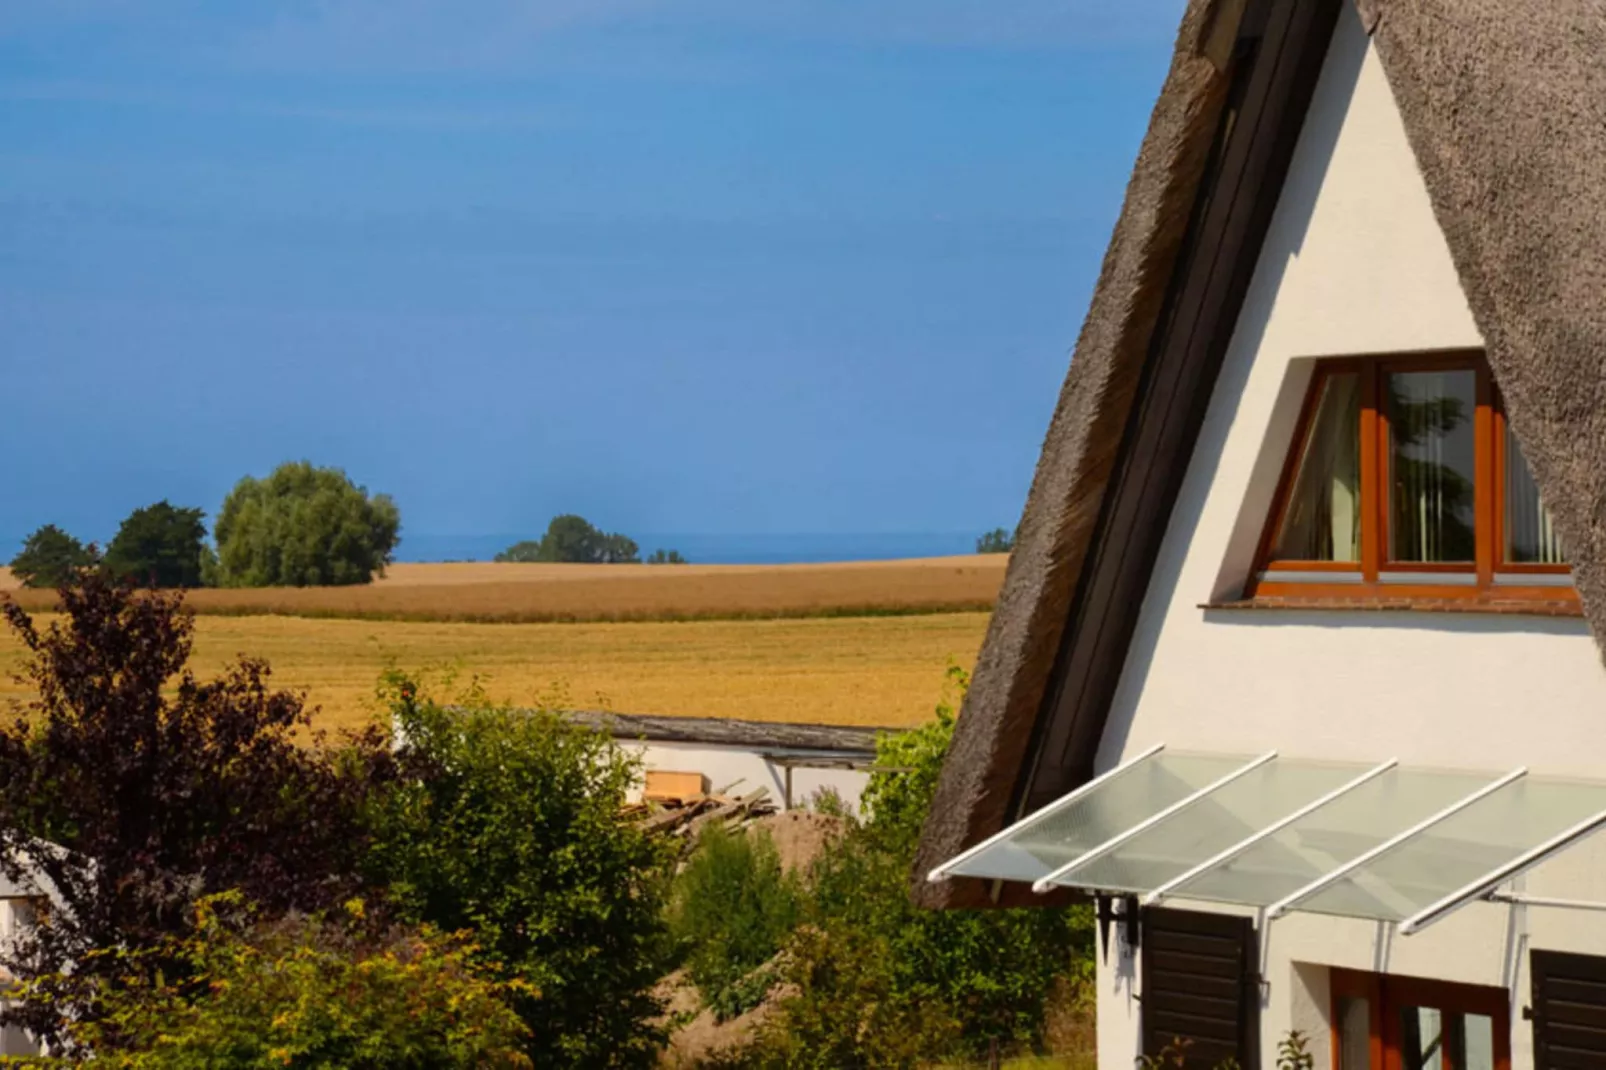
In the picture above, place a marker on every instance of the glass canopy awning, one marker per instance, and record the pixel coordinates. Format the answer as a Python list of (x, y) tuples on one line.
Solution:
[(1380, 842)]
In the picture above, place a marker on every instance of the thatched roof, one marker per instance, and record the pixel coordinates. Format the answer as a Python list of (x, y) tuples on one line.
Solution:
[(1504, 103)]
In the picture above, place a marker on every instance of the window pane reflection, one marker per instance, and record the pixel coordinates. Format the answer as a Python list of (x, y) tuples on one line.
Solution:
[(1531, 538), (1474, 1042), (1323, 518), (1432, 466), (1421, 1039)]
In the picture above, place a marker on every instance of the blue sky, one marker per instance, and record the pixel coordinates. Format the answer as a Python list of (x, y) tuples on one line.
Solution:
[(693, 266)]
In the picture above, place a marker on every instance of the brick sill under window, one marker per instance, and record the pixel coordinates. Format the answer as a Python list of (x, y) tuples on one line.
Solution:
[(1508, 607)]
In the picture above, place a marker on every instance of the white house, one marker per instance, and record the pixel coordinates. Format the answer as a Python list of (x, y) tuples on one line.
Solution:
[(1297, 670)]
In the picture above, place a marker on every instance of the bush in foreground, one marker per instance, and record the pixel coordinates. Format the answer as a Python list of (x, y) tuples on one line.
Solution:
[(129, 789), (302, 992), (878, 982), (509, 824)]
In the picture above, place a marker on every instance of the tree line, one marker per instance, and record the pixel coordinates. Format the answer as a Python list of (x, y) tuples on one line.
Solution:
[(572, 539), (457, 885), (301, 526)]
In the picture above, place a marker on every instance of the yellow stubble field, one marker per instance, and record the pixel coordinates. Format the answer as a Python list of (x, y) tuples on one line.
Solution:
[(726, 660), (840, 670)]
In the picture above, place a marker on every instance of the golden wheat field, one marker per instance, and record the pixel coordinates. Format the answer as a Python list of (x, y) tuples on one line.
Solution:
[(884, 670), (537, 593)]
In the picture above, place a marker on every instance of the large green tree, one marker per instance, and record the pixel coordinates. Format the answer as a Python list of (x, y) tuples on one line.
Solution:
[(574, 540), (160, 545), (304, 526), (49, 557)]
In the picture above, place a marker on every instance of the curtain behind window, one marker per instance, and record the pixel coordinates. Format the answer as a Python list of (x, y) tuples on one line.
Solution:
[(1322, 520)]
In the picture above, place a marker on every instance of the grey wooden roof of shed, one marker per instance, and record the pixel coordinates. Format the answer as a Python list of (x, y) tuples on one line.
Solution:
[(720, 731)]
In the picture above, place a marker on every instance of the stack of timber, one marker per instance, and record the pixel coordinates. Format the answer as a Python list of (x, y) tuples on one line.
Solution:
[(686, 818)]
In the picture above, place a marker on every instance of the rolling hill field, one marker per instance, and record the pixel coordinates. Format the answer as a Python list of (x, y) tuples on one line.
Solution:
[(539, 593), (854, 643)]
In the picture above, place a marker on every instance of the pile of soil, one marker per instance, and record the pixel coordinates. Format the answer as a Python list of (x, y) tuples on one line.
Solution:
[(800, 836), (703, 1036)]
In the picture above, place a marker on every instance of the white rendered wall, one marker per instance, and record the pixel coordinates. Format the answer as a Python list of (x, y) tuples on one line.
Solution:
[(1354, 264), (738, 771)]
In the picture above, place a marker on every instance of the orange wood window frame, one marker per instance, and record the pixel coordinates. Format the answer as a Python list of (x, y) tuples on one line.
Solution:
[(1386, 996), (1489, 467)]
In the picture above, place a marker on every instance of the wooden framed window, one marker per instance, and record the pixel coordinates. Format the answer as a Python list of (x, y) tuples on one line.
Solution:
[(1382, 1022), (1405, 482)]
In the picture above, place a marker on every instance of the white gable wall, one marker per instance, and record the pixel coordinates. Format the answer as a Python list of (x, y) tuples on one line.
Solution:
[(1354, 263)]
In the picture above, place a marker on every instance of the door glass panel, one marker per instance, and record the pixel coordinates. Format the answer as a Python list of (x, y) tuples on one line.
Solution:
[(1432, 460), (1473, 1042), (1531, 537), (1354, 1033), (1322, 521)]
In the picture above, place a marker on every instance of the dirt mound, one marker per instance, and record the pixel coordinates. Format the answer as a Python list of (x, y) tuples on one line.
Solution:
[(703, 1036), (800, 836)]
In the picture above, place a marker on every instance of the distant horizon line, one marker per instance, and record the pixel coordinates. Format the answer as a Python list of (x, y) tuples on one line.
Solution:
[(736, 548)]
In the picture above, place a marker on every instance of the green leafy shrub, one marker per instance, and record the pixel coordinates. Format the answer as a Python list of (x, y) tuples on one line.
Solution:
[(732, 909), (508, 823), (300, 993), (878, 982)]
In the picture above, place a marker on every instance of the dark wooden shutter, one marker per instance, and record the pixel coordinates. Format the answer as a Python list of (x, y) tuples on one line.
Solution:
[(1569, 1011), (1200, 985)]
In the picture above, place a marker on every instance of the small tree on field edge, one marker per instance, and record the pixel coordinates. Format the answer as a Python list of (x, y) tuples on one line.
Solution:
[(49, 557), (573, 539), (996, 541), (666, 557), (160, 545)]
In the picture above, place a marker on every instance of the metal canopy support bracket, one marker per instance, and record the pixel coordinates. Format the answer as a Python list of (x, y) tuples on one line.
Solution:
[(941, 872), (1486, 884), (1160, 893), (1048, 882), (1123, 909), (1284, 905)]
